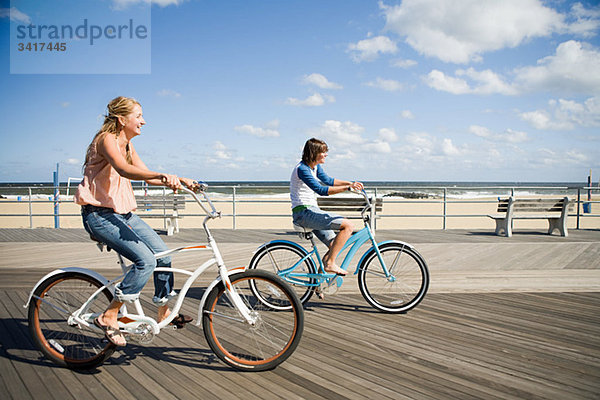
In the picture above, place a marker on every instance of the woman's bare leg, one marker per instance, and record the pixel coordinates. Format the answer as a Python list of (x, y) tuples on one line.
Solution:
[(336, 246)]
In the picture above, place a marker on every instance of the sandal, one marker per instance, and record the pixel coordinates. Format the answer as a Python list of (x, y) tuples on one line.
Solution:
[(180, 320), (111, 333)]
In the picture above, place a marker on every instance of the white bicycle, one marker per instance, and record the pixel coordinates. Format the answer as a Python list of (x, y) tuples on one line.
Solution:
[(244, 331)]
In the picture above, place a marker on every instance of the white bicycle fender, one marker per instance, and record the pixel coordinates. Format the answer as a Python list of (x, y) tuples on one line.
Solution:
[(210, 287), (88, 272)]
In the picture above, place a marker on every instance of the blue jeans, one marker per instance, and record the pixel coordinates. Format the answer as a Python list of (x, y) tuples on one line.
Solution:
[(131, 237), (322, 223)]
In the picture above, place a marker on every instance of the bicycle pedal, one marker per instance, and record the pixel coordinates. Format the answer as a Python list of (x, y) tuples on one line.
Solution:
[(320, 294)]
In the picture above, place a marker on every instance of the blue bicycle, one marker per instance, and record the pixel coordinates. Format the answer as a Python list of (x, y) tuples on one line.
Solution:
[(392, 276)]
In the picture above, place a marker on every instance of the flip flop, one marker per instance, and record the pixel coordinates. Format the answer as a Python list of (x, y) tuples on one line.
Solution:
[(180, 320), (110, 333)]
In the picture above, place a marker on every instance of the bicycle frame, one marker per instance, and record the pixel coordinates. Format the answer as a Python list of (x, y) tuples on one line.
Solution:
[(129, 322), (354, 242)]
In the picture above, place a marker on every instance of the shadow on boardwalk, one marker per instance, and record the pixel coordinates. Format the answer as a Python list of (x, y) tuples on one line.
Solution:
[(518, 345)]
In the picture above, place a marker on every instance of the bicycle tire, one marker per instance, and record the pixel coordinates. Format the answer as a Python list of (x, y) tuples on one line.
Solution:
[(68, 344), (407, 286), (277, 256), (270, 341)]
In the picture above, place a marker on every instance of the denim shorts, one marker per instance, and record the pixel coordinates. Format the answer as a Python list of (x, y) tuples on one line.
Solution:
[(322, 223), (135, 240)]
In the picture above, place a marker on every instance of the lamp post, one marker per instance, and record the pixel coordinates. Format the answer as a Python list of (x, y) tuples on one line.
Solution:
[(56, 198)]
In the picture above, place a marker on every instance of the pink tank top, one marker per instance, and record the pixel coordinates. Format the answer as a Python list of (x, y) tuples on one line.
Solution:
[(102, 186)]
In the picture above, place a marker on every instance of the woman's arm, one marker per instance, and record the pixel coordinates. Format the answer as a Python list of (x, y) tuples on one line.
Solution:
[(340, 186), (108, 147), (334, 186)]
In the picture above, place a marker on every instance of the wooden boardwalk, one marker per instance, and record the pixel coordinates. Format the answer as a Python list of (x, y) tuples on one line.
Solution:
[(457, 344)]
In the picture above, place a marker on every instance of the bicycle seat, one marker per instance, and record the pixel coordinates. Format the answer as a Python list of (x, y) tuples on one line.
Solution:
[(305, 233), (299, 228), (100, 243)]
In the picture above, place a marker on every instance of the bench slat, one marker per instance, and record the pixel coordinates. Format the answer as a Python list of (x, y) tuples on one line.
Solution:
[(555, 211), (347, 204), (165, 207), (534, 205)]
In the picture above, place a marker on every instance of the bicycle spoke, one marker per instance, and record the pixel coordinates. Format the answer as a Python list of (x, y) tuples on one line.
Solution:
[(257, 346)]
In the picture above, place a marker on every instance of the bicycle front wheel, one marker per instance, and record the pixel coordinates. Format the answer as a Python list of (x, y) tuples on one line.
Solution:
[(280, 256), (406, 285), (56, 333), (266, 343)]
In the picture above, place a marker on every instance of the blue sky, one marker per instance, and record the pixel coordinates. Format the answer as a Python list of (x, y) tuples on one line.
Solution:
[(428, 90)]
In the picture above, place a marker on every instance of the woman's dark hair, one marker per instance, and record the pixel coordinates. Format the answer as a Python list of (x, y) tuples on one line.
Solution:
[(312, 149)]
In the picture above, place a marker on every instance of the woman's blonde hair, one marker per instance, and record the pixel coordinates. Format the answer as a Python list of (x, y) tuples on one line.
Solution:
[(118, 107)]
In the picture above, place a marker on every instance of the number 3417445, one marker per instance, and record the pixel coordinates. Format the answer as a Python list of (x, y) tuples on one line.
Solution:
[(42, 46)]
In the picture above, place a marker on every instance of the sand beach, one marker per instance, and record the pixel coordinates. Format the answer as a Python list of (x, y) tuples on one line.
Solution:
[(273, 212)]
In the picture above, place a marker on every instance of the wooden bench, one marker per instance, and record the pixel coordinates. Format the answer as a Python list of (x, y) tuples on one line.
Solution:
[(349, 205), (555, 211), (169, 206)]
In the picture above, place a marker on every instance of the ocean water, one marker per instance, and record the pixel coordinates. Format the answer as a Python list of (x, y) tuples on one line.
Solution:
[(279, 189)]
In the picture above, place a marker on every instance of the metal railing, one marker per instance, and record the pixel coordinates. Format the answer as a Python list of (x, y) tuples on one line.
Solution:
[(241, 194)]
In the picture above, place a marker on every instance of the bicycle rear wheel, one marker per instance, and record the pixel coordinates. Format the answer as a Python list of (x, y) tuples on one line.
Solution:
[(404, 288), (267, 343), (279, 256), (62, 340)]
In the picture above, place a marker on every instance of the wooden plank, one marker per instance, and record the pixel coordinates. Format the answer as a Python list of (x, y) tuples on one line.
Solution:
[(452, 346), (82, 384), (45, 383)]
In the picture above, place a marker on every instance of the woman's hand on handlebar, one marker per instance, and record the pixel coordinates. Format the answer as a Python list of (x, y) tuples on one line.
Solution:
[(171, 181), (357, 186), (190, 184)]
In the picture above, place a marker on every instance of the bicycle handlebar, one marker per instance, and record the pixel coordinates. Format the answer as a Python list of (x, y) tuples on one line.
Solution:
[(213, 213), (363, 193)]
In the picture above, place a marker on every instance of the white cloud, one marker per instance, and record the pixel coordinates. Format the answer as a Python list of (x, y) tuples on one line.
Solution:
[(168, 93), (344, 155), (65, 104), (314, 100), (420, 142), (404, 63), (549, 158), (449, 149), (72, 161), (480, 131), (509, 135), (341, 133), (377, 146), (440, 81), (370, 49), (470, 81), (575, 67), (223, 156), (387, 135), (15, 15), (407, 114), (461, 31), (347, 141), (565, 115), (385, 84), (320, 81), (585, 21), (220, 151), (576, 156), (269, 131)]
